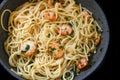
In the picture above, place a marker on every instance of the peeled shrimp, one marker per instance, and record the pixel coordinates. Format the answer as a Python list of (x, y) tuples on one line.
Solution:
[(65, 29), (28, 47)]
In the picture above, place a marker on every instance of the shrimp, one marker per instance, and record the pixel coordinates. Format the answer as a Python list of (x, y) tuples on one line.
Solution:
[(50, 16), (58, 51), (82, 62), (51, 2), (86, 15), (29, 48), (97, 38), (65, 29)]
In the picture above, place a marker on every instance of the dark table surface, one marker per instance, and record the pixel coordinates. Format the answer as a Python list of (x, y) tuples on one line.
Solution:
[(108, 69)]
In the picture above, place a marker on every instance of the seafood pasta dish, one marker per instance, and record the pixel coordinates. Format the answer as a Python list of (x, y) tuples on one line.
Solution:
[(50, 39)]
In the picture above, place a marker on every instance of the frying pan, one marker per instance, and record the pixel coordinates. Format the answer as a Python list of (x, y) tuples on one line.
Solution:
[(97, 58)]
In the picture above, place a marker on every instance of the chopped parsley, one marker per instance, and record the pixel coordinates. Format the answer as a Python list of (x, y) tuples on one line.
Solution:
[(61, 47), (70, 23), (27, 47), (54, 1), (52, 50), (49, 35)]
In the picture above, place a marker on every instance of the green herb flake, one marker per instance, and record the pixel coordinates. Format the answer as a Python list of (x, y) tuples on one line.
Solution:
[(74, 70), (49, 35), (70, 23), (61, 47), (27, 47), (90, 64), (54, 1), (52, 50)]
